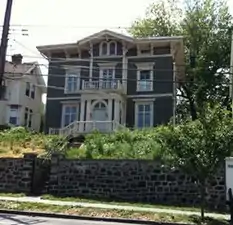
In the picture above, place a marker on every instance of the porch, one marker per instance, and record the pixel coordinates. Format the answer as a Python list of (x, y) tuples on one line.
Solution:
[(85, 127)]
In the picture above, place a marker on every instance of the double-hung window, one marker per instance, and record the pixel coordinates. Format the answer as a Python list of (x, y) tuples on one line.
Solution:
[(70, 113), (145, 82), (144, 115), (14, 114), (72, 82)]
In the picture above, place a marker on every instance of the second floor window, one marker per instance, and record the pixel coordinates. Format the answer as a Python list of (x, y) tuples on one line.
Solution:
[(33, 90), (27, 92), (145, 82), (30, 90), (72, 83)]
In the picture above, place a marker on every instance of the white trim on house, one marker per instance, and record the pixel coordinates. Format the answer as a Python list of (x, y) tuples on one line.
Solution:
[(91, 63), (151, 103), (145, 67), (144, 100), (150, 96), (75, 74), (150, 56), (63, 98)]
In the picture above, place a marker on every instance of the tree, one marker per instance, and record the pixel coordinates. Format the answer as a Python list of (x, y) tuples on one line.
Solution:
[(205, 25), (199, 147)]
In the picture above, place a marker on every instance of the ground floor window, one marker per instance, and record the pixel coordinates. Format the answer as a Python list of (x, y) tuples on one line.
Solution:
[(14, 114), (70, 114), (143, 114)]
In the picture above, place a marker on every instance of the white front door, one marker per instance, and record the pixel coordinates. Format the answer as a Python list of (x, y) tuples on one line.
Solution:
[(100, 117)]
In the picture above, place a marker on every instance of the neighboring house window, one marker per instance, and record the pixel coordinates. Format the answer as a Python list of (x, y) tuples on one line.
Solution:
[(69, 114), (33, 90), (144, 115), (28, 114), (30, 90), (72, 83), (145, 82), (14, 115), (27, 93), (30, 118), (109, 48)]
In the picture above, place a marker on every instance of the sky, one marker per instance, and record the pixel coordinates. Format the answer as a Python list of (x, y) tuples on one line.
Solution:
[(64, 21)]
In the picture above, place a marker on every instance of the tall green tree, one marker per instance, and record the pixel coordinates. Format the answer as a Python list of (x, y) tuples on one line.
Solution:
[(199, 147), (206, 26)]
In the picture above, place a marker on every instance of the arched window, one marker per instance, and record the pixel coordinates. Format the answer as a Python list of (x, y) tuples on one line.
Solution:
[(112, 48), (99, 105), (104, 48)]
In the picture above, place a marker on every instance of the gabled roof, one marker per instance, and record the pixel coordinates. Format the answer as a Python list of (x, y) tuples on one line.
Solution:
[(102, 33), (24, 69)]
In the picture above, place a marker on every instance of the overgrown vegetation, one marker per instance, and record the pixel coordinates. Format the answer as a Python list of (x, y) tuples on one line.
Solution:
[(16, 141)]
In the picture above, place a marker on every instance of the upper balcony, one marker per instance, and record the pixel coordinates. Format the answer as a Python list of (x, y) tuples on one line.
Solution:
[(114, 85)]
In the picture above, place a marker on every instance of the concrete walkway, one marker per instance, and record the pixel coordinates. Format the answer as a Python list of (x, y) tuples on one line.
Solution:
[(110, 206)]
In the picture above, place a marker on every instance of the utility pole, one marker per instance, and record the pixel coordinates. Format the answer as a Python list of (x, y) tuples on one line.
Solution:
[(3, 47), (231, 73)]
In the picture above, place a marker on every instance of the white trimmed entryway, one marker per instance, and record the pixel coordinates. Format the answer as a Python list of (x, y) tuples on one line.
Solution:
[(100, 115)]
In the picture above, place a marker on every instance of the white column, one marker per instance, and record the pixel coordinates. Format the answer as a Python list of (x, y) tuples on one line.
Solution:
[(88, 112), (91, 62), (116, 110), (124, 67), (110, 114), (82, 111)]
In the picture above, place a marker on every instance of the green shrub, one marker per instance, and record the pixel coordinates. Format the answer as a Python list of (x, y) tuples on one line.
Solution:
[(124, 144)]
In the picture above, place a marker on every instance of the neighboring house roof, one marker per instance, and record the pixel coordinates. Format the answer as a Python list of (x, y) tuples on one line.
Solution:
[(23, 69)]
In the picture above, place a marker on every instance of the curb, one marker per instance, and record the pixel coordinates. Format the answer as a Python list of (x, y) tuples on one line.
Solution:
[(75, 217)]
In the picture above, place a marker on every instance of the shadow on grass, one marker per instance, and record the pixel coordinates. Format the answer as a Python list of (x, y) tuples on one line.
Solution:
[(208, 221)]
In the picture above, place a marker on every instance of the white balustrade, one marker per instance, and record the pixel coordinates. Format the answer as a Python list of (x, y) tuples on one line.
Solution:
[(102, 85), (81, 127)]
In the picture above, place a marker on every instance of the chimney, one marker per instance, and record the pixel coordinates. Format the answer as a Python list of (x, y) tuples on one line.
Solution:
[(16, 59)]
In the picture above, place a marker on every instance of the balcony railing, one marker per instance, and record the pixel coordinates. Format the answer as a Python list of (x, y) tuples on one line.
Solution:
[(102, 85), (82, 127)]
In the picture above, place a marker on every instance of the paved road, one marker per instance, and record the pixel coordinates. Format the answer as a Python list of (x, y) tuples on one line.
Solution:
[(7, 219)]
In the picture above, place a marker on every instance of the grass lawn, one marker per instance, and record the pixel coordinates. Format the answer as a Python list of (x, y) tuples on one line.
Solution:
[(110, 213), (74, 199)]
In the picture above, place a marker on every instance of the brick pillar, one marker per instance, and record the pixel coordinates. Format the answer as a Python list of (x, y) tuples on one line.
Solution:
[(53, 186), (27, 172)]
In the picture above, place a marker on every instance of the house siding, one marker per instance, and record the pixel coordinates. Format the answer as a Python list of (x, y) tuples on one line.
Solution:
[(163, 110), (53, 114), (162, 75), (162, 82)]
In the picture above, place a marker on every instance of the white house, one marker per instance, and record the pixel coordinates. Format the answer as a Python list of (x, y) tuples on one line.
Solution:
[(22, 101)]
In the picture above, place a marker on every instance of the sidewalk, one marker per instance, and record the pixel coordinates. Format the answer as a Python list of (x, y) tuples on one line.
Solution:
[(108, 206)]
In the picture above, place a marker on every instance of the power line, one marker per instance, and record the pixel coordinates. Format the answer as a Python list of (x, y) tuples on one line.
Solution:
[(108, 79)]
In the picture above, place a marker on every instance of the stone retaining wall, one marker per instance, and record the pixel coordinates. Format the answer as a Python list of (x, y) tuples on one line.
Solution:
[(130, 180)]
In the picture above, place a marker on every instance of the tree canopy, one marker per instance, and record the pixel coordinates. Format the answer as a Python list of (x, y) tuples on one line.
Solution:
[(199, 147), (206, 27)]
